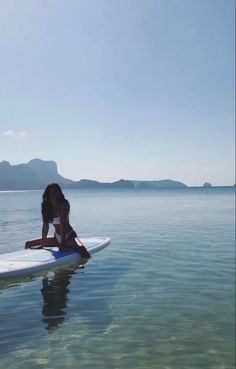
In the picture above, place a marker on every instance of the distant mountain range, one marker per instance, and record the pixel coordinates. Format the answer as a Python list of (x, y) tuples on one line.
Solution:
[(37, 173)]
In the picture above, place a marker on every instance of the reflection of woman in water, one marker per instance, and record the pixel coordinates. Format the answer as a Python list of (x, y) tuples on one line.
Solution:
[(55, 210), (55, 291)]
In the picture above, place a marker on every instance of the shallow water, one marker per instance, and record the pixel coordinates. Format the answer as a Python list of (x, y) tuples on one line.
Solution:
[(160, 296)]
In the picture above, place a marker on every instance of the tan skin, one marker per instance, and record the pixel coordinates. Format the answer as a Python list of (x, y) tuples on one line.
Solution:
[(59, 210)]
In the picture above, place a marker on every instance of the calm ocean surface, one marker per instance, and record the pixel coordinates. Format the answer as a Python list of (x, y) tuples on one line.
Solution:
[(161, 296)]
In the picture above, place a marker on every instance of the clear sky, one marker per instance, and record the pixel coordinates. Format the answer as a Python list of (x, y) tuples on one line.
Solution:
[(110, 89)]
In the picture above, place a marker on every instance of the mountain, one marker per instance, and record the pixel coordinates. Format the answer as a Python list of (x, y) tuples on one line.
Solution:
[(206, 184), (18, 177), (47, 172), (34, 175), (37, 173), (164, 183), (86, 183)]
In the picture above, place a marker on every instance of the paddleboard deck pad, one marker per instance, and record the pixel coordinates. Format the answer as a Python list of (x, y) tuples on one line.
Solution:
[(28, 261)]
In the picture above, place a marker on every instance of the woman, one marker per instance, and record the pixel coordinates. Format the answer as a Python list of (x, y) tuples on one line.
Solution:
[(55, 210)]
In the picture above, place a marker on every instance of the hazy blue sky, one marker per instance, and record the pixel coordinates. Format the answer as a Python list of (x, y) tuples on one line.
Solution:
[(110, 89)]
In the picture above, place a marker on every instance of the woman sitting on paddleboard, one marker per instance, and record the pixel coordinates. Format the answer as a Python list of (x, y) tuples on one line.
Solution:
[(55, 210)]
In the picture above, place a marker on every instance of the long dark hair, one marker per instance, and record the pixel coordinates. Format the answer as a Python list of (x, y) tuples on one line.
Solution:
[(46, 205)]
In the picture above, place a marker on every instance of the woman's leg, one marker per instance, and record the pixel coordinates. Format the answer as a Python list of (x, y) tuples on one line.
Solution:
[(50, 240), (76, 244)]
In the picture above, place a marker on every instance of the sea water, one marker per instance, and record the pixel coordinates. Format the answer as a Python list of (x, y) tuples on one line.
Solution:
[(161, 296)]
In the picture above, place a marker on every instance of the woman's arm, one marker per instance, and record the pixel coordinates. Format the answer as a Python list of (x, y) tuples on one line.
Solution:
[(45, 229), (64, 211)]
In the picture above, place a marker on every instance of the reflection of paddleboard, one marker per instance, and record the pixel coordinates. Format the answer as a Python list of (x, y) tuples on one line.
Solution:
[(28, 261)]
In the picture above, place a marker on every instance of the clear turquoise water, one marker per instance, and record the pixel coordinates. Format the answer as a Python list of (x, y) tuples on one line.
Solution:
[(160, 296)]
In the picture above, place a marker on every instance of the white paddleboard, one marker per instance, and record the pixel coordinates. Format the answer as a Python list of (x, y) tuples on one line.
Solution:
[(25, 262)]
